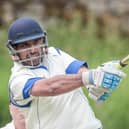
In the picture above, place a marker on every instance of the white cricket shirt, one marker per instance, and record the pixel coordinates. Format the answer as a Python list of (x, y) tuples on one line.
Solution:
[(9, 126), (67, 111)]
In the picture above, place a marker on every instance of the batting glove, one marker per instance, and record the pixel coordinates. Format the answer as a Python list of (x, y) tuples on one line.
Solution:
[(114, 64), (103, 80), (103, 76), (99, 93)]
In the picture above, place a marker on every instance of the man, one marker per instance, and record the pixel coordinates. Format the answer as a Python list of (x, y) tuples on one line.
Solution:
[(18, 119), (46, 83)]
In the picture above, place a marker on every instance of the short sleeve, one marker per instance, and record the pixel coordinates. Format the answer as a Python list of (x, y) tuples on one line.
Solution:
[(71, 64), (19, 89)]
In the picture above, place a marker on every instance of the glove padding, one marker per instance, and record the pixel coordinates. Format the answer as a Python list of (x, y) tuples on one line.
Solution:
[(111, 77), (98, 93), (103, 80), (103, 76)]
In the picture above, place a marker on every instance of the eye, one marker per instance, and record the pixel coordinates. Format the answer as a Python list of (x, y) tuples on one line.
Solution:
[(22, 46), (37, 41)]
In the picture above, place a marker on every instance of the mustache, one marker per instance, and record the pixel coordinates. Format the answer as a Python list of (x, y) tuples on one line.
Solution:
[(29, 58), (33, 55)]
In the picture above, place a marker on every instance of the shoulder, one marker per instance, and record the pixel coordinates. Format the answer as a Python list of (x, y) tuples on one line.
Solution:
[(19, 75), (18, 68), (54, 51)]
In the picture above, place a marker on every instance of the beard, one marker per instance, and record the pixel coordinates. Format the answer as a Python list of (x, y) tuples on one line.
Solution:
[(32, 60)]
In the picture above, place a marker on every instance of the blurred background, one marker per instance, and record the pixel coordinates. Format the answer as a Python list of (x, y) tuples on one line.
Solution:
[(93, 30)]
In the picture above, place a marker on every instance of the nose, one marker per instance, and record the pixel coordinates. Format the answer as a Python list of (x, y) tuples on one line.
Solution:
[(33, 49)]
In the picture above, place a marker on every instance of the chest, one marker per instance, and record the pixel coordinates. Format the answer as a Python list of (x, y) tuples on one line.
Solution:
[(54, 65), (51, 67)]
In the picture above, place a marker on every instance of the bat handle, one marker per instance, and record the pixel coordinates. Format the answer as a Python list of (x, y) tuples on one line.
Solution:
[(123, 62)]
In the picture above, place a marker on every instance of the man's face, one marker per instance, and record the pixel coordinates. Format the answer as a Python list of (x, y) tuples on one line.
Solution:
[(30, 53)]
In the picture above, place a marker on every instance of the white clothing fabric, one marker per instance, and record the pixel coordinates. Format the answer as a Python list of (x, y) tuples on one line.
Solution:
[(66, 111), (9, 126)]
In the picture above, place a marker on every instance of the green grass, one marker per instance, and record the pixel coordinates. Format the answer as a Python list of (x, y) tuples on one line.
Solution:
[(5, 64), (85, 46)]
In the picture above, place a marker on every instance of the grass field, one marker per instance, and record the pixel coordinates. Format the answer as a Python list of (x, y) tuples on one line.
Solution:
[(85, 46)]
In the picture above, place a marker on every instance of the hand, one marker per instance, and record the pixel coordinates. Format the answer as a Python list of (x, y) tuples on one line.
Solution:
[(98, 93), (103, 79), (105, 76), (111, 64), (113, 74)]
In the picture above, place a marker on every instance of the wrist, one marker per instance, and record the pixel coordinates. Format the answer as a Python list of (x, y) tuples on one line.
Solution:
[(85, 78)]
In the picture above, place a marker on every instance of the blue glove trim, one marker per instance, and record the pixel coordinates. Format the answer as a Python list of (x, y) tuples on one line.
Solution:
[(110, 81), (104, 97)]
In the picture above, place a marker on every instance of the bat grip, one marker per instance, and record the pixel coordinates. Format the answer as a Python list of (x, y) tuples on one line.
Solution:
[(122, 64)]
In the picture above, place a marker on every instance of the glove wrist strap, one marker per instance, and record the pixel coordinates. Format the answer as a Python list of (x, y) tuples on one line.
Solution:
[(85, 78)]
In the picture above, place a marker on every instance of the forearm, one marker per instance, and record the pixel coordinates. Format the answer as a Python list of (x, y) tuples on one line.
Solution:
[(18, 118), (57, 85)]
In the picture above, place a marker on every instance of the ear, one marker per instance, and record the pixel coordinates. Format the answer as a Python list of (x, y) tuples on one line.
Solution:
[(15, 58)]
